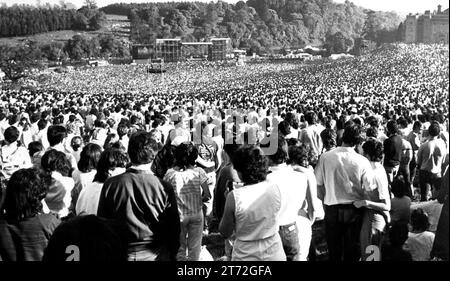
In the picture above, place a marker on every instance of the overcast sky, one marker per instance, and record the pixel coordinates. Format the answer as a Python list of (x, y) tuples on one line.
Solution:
[(400, 6)]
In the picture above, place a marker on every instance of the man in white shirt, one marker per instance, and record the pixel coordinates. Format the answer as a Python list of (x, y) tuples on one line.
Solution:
[(343, 177), (292, 186), (430, 158)]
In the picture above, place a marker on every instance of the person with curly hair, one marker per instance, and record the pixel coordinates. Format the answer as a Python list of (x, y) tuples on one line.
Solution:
[(191, 188), (24, 228), (252, 211), (377, 203), (58, 168), (420, 240)]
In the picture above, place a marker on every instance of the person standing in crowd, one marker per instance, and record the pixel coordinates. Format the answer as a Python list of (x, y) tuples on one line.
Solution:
[(414, 139), (405, 160), (191, 187), (343, 177), (377, 203), (392, 150), (58, 168), (112, 162), (293, 186), (252, 211), (311, 134), (227, 179), (24, 228), (441, 240), (328, 137), (34, 149), (146, 204), (86, 171), (430, 158), (13, 155), (312, 209), (208, 161)]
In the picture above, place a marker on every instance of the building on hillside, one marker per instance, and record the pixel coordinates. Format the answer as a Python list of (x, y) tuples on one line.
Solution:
[(428, 27)]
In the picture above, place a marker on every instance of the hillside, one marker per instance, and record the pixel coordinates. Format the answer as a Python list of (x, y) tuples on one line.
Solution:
[(258, 24), (116, 25)]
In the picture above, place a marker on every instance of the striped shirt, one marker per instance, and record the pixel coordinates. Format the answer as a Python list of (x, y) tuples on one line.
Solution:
[(187, 185)]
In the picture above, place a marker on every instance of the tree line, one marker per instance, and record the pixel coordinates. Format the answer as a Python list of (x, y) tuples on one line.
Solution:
[(261, 25), (22, 20), (16, 60)]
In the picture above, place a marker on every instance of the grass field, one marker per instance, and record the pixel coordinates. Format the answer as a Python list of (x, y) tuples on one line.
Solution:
[(115, 24)]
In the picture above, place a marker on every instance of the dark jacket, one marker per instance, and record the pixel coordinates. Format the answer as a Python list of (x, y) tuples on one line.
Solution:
[(26, 240), (148, 207), (392, 151)]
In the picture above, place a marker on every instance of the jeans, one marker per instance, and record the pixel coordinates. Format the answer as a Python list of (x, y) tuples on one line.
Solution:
[(190, 237), (289, 239), (343, 226), (208, 205), (304, 226), (428, 182)]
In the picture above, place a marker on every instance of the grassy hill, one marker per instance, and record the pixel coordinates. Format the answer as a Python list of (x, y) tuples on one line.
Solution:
[(117, 25)]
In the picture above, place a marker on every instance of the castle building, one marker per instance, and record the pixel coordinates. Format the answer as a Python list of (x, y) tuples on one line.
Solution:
[(428, 27)]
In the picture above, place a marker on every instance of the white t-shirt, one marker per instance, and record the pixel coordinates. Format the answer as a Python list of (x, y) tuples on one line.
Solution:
[(419, 245), (87, 203), (292, 186)]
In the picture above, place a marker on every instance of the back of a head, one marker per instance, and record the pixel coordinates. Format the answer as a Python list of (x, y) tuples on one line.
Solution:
[(25, 190), (352, 135), (11, 134), (251, 163), (434, 130), (281, 155), (329, 137), (89, 157), (419, 220), (311, 117), (399, 187), (142, 149), (110, 159), (392, 127), (56, 161), (56, 134), (374, 150), (87, 238), (34, 147), (185, 155), (299, 155)]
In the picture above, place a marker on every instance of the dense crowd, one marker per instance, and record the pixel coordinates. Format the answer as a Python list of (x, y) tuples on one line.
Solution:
[(128, 165)]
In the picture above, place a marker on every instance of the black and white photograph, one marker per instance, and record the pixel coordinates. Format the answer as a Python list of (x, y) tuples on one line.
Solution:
[(207, 133)]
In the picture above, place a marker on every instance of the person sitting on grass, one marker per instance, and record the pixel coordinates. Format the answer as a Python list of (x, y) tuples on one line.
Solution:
[(420, 241)]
